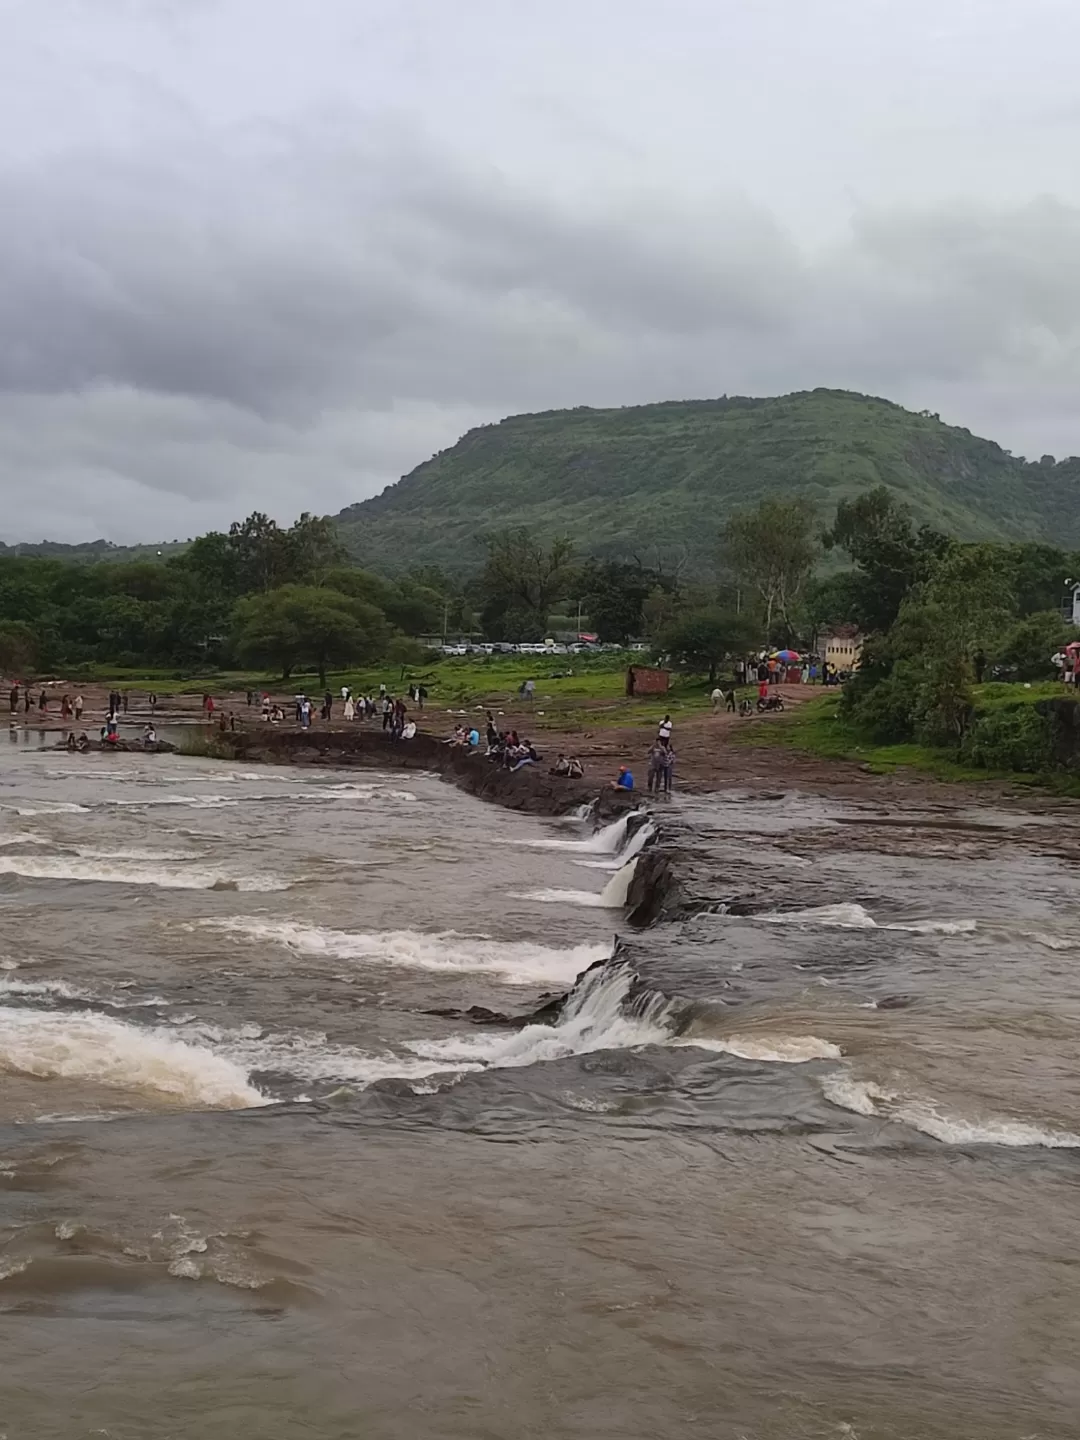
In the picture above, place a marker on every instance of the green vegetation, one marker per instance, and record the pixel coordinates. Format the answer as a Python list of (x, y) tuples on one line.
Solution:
[(1008, 740), (259, 594), (656, 482), (777, 533)]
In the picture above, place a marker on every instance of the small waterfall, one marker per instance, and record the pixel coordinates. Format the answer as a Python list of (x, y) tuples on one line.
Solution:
[(613, 896)]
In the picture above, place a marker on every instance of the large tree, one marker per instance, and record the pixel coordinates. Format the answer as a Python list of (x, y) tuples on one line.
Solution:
[(18, 648), (304, 625), (771, 551), (613, 594), (890, 555), (702, 640), (520, 583)]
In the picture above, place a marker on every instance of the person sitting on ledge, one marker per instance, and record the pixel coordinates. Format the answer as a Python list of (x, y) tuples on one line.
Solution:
[(577, 769), (523, 754), (561, 766), (625, 780)]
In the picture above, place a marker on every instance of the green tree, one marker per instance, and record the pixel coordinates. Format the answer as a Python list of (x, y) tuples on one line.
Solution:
[(613, 594), (18, 648), (309, 549), (890, 556), (771, 551), (520, 583), (702, 640), (306, 625), (1026, 648)]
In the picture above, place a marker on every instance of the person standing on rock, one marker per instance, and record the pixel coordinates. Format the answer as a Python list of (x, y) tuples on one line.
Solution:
[(664, 732), (78, 707), (669, 768), (656, 767)]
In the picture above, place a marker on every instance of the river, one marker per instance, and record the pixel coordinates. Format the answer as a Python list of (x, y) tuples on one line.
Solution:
[(811, 1169)]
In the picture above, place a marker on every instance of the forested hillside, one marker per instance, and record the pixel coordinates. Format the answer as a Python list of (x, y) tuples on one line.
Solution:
[(658, 480)]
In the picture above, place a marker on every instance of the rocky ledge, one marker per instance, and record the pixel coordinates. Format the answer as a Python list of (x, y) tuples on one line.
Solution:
[(531, 789)]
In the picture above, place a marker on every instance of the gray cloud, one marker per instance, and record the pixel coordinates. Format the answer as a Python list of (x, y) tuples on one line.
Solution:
[(210, 304)]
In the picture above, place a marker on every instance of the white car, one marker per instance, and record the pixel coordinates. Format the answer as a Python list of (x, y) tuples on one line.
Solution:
[(454, 650)]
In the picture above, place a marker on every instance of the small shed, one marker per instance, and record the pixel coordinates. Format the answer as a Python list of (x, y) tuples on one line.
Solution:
[(645, 680)]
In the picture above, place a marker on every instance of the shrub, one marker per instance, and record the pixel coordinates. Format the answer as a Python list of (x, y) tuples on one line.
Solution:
[(1016, 738), (887, 712)]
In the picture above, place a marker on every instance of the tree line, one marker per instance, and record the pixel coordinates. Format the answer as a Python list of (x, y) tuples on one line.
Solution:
[(287, 599)]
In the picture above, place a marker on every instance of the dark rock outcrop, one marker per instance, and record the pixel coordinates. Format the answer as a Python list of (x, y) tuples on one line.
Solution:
[(653, 889), (530, 789)]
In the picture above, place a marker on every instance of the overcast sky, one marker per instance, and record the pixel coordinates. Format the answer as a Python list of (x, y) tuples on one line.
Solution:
[(273, 253)]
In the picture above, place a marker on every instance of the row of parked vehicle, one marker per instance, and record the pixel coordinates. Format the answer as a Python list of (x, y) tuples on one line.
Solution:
[(582, 647)]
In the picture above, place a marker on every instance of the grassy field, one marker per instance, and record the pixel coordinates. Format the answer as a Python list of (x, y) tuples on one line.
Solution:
[(572, 692), (818, 728)]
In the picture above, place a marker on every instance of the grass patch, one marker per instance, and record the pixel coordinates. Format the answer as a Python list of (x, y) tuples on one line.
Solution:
[(818, 728)]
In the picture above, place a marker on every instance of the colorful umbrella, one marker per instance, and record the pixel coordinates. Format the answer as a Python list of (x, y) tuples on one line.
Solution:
[(787, 656)]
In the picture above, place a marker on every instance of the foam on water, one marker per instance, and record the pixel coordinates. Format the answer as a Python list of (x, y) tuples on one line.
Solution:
[(608, 841), (1053, 942), (596, 1017), (125, 872), (46, 808), (87, 1046), (776, 1049), (864, 1097), (346, 790), (312, 1057), (514, 962), (851, 916), (612, 897), (58, 988)]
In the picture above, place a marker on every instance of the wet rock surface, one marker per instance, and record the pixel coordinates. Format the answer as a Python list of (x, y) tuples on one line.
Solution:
[(532, 789)]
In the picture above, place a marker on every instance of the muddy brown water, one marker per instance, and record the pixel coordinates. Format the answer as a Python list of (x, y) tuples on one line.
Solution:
[(806, 1172)]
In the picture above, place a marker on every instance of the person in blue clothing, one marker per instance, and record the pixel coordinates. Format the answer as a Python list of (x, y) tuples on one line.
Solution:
[(625, 780)]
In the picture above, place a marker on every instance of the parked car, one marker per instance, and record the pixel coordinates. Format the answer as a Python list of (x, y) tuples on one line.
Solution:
[(455, 650)]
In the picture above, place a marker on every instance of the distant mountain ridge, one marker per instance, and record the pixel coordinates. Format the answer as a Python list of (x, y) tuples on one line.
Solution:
[(88, 552), (658, 480)]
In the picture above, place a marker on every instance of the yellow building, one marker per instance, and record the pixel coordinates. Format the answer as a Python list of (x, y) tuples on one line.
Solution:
[(841, 646)]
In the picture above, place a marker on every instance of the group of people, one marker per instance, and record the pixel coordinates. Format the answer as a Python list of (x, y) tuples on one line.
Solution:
[(394, 711), (569, 766), (660, 760), (68, 707), (1067, 663), (507, 748)]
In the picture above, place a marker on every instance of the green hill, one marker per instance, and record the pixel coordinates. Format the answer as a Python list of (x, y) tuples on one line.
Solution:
[(658, 480)]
